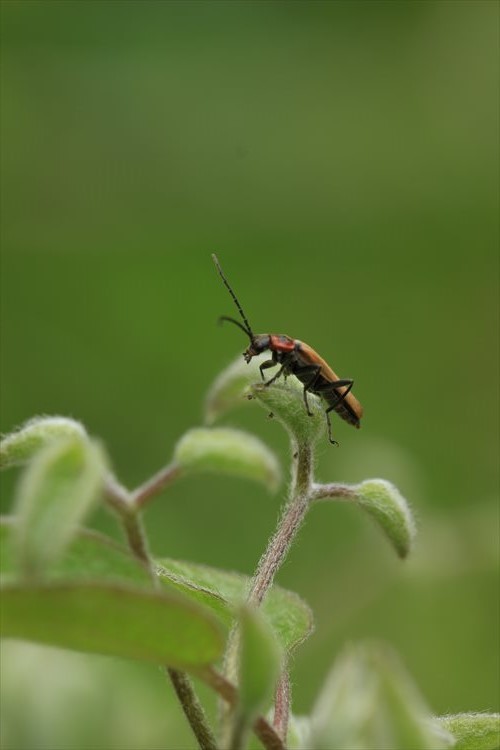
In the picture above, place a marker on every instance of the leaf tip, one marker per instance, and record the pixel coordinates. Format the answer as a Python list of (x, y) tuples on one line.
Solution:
[(56, 491), (387, 506), (17, 447), (228, 451)]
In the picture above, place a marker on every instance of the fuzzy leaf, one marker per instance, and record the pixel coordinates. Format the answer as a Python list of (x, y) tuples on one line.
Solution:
[(285, 401), (54, 494), (112, 619), (227, 451), (370, 702), (473, 731), (383, 501), (90, 556), (230, 389), (19, 446), (223, 591), (259, 663)]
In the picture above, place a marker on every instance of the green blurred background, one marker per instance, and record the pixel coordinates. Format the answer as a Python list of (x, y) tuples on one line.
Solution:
[(341, 158)]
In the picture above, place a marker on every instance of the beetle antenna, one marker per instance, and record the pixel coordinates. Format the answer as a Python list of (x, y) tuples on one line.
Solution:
[(236, 323), (247, 328)]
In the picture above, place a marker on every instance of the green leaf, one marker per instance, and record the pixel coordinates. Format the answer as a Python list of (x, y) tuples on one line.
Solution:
[(473, 731), (284, 399), (231, 387), (227, 451), (223, 591), (19, 446), (54, 494), (90, 556), (370, 702), (114, 620), (92, 593), (385, 504), (259, 663)]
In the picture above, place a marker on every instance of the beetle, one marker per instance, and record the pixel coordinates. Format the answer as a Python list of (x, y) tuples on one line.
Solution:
[(299, 359)]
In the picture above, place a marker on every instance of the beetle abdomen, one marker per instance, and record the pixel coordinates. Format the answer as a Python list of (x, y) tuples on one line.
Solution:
[(349, 408)]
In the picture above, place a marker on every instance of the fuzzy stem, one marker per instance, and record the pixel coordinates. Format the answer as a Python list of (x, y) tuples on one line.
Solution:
[(120, 500), (262, 728), (275, 554), (282, 704), (273, 557), (333, 491), (193, 709), (156, 484), (288, 526), (117, 496), (136, 536)]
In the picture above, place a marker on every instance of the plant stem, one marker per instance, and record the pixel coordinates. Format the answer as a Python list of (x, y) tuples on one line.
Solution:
[(288, 526), (120, 500), (192, 709), (117, 496), (275, 554), (262, 728), (136, 536), (153, 486), (333, 491), (273, 557), (282, 704)]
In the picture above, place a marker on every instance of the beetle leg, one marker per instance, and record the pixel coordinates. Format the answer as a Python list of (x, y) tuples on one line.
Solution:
[(283, 369), (332, 441), (341, 396), (315, 370), (338, 400), (275, 377), (265, 366)]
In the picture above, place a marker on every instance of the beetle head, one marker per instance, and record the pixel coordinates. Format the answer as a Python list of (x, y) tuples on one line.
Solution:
[(258, 344)]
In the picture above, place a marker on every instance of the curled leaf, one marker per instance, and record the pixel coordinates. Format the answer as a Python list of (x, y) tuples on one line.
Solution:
[(56, 491), (473, 731), (369, 701), (383, 501), (227, 451), (19, 446)]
